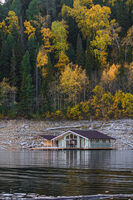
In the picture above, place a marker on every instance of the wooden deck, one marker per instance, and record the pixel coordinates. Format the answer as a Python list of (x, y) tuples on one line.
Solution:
[(60, 149)]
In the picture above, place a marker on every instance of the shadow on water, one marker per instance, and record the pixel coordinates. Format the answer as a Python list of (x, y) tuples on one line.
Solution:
[(67, 173)]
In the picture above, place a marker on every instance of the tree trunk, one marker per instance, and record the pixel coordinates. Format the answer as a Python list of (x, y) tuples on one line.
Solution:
[(22, 31), (36, 78)]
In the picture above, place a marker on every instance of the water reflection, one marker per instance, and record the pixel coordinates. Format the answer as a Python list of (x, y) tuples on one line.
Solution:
[(67, 172), (54, 158), (68, 159)]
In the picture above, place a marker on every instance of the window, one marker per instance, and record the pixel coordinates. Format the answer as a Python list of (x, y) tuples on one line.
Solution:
[(75, 137), (67, 137), (71, 136)]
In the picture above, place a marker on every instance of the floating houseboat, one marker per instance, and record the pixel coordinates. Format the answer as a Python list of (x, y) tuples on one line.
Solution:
[(77, 139)]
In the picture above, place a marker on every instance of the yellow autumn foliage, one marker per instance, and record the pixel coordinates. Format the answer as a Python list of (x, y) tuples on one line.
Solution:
[(93, 21), (46, 36), (59, 31), (127, 105), (72, 78), (72, 81), (100, 43), (44, 72), (130, 80), (63, 61), (5, 86), (74, 113), (12, 21), (86, 109), (42, 58), (30, 30), (97, 17), (87, 2), (3, 26), (58, 115), (111, 74)]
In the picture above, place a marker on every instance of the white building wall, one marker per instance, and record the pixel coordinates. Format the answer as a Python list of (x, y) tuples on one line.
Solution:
[(85, 143), (64, 142), (78, 142), (100, 144), (60, 143), (82, 142), (89, 143)]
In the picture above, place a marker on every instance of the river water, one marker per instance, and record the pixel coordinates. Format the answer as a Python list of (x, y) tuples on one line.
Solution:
[(67, 173)]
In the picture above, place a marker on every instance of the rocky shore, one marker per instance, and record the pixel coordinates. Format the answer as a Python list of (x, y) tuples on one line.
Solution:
[(23, 196), (24, 134)]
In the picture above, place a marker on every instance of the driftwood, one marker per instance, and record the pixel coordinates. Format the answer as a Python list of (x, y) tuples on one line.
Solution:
[(124, 142), (63, 127), (81, 197), (2, 126)]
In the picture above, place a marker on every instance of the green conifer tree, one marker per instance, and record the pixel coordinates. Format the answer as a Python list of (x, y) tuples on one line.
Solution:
[(79, 52), (26, 90), (89, 59), (5, 54), (33, 9), (71, 53), (44, 90), (12, 47)]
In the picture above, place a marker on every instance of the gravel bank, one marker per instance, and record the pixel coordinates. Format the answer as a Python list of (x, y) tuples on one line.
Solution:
[(23, 196), (23, 134)]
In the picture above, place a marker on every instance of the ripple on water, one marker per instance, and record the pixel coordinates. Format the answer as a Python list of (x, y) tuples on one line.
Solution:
[(72, 173), (31, 196)]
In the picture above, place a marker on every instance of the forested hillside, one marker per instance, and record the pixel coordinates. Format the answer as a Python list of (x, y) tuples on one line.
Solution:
[(66, 59)]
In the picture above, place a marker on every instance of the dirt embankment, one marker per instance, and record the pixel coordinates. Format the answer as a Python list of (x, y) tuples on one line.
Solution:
[(21, 134)]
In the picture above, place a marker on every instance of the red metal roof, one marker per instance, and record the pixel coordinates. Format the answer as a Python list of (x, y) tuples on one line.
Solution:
[(48, 137), (92, 134)]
